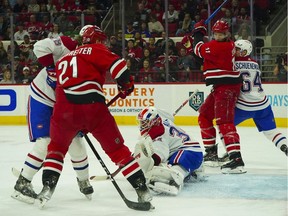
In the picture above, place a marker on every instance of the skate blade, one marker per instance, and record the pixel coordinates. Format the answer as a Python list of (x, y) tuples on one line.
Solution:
[(88, 196), (41, 202), (22, 198), (237, 170)]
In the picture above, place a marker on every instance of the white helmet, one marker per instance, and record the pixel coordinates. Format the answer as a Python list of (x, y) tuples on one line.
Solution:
[(244, 45), (147, 118), (83, 29)]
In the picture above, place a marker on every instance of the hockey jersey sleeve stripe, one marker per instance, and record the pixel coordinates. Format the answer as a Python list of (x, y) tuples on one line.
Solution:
[(118, 68), (197, 49)]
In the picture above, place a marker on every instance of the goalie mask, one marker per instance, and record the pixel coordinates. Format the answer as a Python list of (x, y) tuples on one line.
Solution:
[(147, 118)]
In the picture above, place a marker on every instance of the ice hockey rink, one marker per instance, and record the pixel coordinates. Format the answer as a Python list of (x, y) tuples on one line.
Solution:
[(262, 191)]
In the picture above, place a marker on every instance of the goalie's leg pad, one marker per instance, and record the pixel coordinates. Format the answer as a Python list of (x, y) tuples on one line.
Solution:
[(172, 178), (190, 160)]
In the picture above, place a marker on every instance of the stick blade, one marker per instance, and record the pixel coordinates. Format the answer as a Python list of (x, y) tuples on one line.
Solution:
[(146, 206)]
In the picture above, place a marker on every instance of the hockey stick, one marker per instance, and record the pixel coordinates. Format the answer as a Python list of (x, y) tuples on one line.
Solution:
[(100, 178), (146, 206), (113, 99), (185, 102), (214, 13)]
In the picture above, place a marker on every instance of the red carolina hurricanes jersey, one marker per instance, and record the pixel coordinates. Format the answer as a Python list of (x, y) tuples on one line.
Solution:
[(83, 71), (219, 58)]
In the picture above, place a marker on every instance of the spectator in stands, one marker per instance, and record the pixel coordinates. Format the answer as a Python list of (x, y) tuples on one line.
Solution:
[(20, 7), (187, 25), (155, 27), (71, 31), (114, 46), (51, 7), (229, 19), (139, 40), (186, 64), (243, 16), (5, 7), (144, 31), (25, 60), (172, 15), (34, 27), (55, 33), (119, 38), (151, 46), (26, 76), (15, 47), (62, 21), (146, 73), (134, 51), (3, 28), (19, 35), (130, 30), (26, 45), (47, 25), (131, 67), (33, 7), (157, 11), (142, 13), (3, 54), (235, 8), (147, 56), (243, 33), (160, 43), (7, 77), (281, 69)]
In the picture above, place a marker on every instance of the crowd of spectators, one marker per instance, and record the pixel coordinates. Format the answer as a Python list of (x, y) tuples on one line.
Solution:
[(34, 20), (38, 19)]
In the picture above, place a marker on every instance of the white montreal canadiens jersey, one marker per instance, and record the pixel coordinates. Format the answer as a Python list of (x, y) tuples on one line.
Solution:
[(252, 96), (172, 140), (49, 51), (41, 91)]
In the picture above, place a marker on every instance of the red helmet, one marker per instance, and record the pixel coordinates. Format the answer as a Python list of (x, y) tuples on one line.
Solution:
[(221, 26), (93, 33)]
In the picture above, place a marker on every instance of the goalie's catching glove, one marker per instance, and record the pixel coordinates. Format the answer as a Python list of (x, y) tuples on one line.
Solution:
[(126, 88)]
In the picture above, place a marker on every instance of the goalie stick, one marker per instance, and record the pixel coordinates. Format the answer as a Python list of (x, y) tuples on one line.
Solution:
[(100, 178), (146, 206)]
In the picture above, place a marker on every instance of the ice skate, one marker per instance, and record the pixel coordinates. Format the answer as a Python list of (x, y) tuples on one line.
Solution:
[(284, 149), (48, 189), (211, 157), (234, 166), (24, 191), (85, 188), (142, 191)]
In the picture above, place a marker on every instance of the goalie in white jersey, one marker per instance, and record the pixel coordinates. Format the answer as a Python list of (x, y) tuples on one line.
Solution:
[(165, 152), (40, 108)]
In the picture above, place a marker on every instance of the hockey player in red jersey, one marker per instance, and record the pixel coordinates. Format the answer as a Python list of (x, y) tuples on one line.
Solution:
[(39, 111), (80, 106), (219, 70)]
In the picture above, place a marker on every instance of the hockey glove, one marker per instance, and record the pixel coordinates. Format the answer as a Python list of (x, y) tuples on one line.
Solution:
[(200, 27), (127, 88), (51, 76)]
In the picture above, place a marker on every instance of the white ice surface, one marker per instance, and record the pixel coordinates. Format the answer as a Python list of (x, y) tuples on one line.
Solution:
[(262, 191)]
